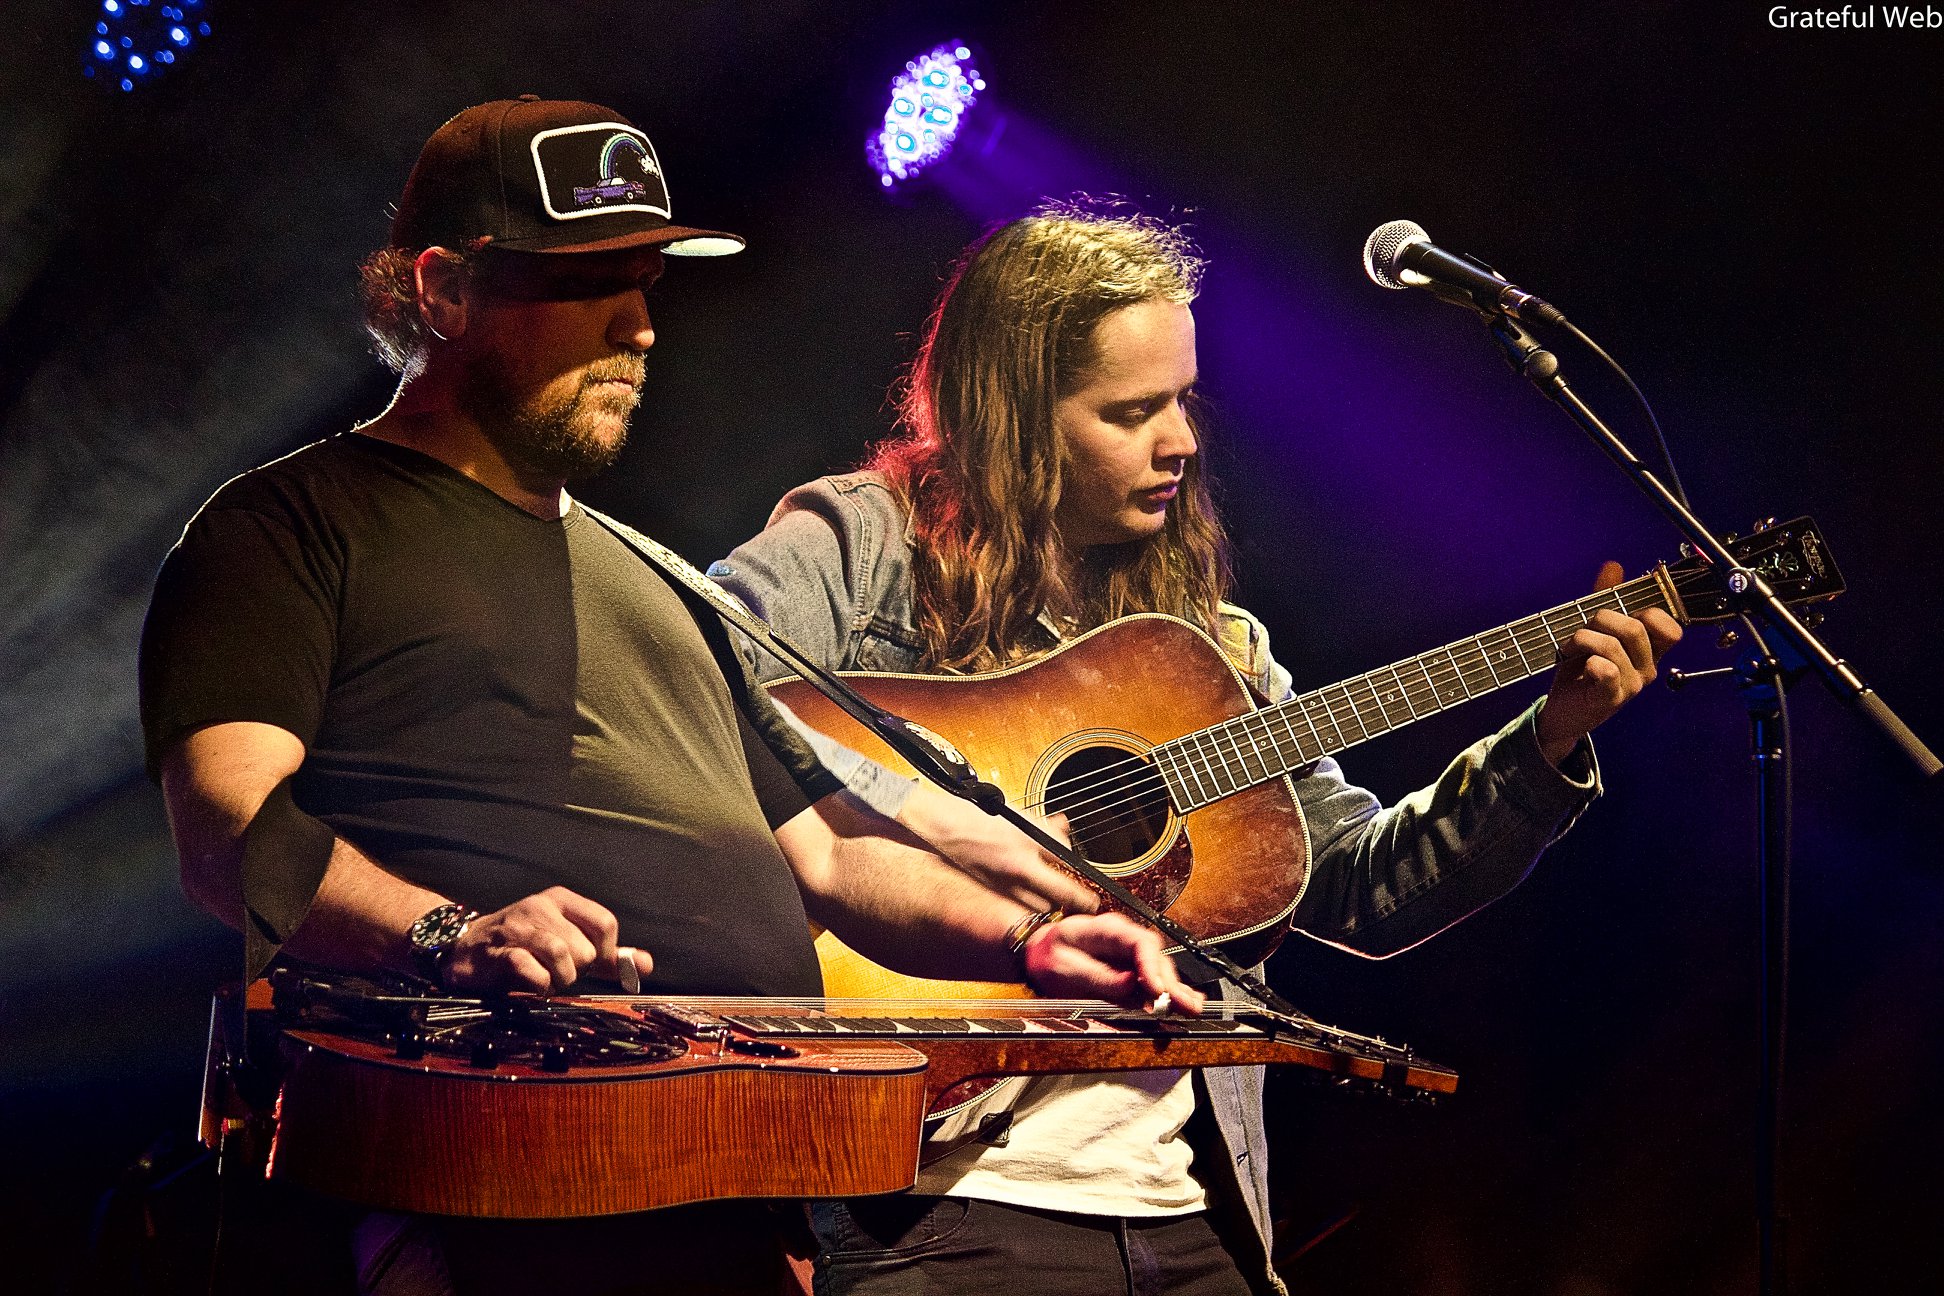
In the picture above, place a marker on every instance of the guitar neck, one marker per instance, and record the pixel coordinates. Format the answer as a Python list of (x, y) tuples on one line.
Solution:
[(1203, 767)]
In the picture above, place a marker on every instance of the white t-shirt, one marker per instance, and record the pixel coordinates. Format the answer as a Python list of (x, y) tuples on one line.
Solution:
[(1088, 1144)]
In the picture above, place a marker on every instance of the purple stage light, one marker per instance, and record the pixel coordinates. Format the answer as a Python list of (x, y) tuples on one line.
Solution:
[(929, 103)]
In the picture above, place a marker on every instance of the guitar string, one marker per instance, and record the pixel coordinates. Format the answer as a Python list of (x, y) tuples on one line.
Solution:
[(1110, 809), (1122, 793), (1131, 792), (1375, 692), (843, 1009)]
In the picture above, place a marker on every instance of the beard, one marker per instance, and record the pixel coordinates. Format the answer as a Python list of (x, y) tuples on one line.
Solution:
[(558, 439)]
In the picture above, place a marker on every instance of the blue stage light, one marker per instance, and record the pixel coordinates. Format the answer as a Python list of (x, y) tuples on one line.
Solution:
[(146, 35), (937, 88)]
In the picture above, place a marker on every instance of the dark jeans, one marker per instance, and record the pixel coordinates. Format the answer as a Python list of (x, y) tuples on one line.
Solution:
[(718, 1248), (879, 1246)]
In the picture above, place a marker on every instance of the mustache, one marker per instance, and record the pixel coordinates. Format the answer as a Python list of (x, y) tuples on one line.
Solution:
[(622, 368)]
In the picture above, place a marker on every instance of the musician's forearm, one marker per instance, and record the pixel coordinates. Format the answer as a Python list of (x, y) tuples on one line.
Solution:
[(955, 930), (220, 786), (880, 889), (361, 916)]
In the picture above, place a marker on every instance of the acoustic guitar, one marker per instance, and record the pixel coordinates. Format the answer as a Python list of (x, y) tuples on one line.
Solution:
[(1177, 782)]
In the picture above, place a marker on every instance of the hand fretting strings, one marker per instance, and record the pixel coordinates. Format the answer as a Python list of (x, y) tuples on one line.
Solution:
[(1203, 767)]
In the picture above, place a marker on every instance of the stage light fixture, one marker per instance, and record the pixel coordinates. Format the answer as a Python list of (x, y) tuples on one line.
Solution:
[(927, 112), (136, 39)]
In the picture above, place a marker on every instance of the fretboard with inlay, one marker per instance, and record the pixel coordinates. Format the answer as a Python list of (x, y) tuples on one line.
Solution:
[(1221, 760)]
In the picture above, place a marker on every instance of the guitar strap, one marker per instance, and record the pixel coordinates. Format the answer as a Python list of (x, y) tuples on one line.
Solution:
[(936, 759)]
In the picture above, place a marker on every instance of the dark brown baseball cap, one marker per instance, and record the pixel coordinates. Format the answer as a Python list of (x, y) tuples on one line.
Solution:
[(544, 175)]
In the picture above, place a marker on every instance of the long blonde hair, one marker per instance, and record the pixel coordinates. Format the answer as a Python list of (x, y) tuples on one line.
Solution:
[(977, 461)]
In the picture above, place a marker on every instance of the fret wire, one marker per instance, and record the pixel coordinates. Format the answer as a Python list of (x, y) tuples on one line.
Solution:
[(1583, 616), (1344, 687), (1210, 750), (1487, 659), (1458, 670), (1358, 715), (1546, 630), (1222, 731), (1244, 725), (1543, 627), (1577, 617), (1411, 699), (1249, 731), (1302, 706), (1349, 691), (1285, 760), (1204, 772), (1369, 681), (1436, 695), (1302, 757), (1506, 631), (1239, 725), (1166, 761), (1403, 692), (1329, 713), (1216, 735), (1258, 733), (1475, 660), (1193, 766), (1278, 759), (1457, 692), (1524, 661)]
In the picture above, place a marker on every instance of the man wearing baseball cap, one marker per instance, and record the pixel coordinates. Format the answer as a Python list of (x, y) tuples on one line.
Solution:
[(480, 741)]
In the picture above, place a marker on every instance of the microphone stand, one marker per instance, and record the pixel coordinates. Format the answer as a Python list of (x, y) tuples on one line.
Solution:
[(1764, 676)]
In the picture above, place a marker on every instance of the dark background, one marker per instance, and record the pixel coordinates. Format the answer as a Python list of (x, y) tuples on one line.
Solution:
[(1742, 214)]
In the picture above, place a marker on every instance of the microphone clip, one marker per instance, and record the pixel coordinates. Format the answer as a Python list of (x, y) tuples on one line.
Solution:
[(1521, 350)]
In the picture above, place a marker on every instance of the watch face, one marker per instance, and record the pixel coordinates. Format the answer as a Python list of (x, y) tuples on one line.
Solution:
[(440, 927)]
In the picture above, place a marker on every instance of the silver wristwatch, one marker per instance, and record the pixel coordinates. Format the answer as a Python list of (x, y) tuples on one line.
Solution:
[(432, 937)]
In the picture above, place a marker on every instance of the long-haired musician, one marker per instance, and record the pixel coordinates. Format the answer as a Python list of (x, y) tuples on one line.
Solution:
[(1044, 481)]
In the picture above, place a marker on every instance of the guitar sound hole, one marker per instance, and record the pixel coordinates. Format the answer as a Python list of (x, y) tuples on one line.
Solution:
[(1114, 801)]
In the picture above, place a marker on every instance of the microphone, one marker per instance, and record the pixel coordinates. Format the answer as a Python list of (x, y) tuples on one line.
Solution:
[(1399, 254)]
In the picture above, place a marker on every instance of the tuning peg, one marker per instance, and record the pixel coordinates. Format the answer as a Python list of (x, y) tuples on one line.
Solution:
[(1764, 524), (1728, 638)]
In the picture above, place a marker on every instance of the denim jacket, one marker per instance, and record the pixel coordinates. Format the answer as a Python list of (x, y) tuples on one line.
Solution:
[(832, 573)]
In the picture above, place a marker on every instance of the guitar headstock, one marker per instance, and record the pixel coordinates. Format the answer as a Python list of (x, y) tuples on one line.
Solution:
[(1790, 556)]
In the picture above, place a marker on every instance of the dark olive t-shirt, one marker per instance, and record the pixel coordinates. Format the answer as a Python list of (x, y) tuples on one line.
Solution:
[(492, 703)]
